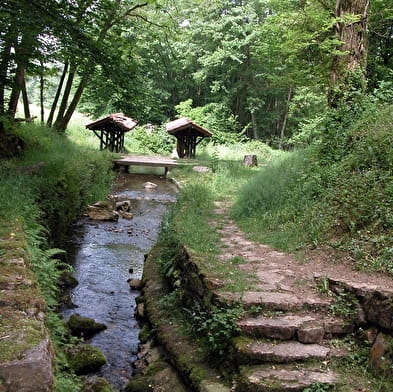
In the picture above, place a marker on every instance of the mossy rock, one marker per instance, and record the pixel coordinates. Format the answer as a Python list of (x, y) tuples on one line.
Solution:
[(144, 334), (139, 385), (85, 359), (68, 280), (84, 326), (96, 384)]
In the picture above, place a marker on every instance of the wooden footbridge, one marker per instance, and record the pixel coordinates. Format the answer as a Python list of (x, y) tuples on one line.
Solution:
[(140, 160)]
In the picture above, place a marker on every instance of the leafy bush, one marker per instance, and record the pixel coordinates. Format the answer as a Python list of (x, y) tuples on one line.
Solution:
[(216, 327), (156, 140), (216, 118)]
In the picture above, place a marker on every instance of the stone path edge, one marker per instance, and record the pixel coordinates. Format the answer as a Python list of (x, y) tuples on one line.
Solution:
[(183, 354)]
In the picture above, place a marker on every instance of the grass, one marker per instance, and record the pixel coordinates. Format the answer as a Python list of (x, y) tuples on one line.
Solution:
[(336, 195), (191, 220), (271, 206)]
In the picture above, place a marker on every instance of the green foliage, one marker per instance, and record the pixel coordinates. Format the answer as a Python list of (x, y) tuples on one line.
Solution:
[(319, 387), (216, 118), (215, 327), (156, 141), (345, 305)]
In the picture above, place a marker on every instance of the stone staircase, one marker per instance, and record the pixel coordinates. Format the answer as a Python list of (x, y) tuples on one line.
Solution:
[(285, 344), (287, 352), (285, 339)]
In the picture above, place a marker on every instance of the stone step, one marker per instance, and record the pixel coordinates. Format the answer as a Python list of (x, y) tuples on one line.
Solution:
[(307, 328), (282, 378), (250, 351), (271, 300)]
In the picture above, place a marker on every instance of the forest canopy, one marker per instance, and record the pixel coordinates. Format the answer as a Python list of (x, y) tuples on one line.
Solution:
[(268, 69)]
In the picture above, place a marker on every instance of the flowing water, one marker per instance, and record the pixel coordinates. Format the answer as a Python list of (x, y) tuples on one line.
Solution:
[(104, 253)]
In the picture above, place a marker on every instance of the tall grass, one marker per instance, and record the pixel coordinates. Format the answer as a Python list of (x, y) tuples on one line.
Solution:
[(272, 206), (337, 194)]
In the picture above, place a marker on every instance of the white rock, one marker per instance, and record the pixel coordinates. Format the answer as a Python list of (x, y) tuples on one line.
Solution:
[(150, 185)]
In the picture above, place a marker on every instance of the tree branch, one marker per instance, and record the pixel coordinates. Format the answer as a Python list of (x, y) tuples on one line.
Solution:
[(147, 20)]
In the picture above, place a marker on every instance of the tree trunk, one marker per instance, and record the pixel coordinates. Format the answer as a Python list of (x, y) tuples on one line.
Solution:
[(350, 65), (4, 62), (63, 116), (57, 96), (42, 93), (26, 106), (66, 95), (254, 125), (284, 123), (16, 89), (62, 124)]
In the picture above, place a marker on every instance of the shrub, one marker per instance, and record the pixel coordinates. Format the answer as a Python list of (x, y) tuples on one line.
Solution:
[(156, 141), (215, 327)]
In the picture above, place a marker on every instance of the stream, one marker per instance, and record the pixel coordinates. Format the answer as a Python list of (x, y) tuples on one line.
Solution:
[(104, 256)]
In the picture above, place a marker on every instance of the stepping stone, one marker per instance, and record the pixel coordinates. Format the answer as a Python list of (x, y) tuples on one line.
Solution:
[(283, 378), (251, 351), (280, 327), (307, 328), (274, 300)]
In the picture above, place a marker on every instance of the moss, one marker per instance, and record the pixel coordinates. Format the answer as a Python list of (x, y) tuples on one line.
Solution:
[(96, 384), (85, 359), (199, 374), (144, 334), (139, 385), (19, 333), (156, 367), (84, 326)]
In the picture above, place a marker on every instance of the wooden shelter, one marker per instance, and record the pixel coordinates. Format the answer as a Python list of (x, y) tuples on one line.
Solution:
[(111, 129), (188, 135)]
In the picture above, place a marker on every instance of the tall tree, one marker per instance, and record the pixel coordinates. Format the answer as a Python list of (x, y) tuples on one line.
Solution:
[(348, 67), (111, 15)]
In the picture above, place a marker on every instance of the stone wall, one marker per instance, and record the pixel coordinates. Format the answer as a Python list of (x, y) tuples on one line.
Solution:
[(26, 353)]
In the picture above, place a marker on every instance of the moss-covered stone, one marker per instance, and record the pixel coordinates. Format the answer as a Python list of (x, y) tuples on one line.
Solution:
[(139, 385), (68, 280), (144, 334), (184, 353), (159, 376), (96, 384), (84, 326), (85, 359)]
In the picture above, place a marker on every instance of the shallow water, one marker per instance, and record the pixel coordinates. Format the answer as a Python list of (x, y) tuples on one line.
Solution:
[(103, 253)]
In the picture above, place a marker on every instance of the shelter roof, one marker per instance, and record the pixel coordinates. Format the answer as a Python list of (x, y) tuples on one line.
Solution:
[(185, 123), (119, 120)]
